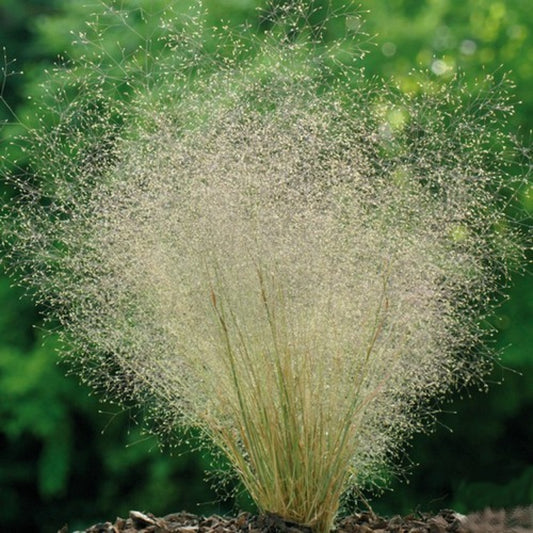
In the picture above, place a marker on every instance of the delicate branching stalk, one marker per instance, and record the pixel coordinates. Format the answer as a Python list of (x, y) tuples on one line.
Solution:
[(253, 244)]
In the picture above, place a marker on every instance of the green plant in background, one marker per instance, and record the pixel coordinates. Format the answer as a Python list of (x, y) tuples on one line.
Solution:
[(293, 268)]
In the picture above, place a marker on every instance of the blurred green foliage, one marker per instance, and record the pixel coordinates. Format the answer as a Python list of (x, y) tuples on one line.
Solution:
[(64, 456)]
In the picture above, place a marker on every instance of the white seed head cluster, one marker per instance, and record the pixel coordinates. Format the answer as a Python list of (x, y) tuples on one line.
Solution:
[(272, 250)]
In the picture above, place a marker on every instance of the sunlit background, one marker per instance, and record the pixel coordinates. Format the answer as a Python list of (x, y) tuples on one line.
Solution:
[(65, 457)]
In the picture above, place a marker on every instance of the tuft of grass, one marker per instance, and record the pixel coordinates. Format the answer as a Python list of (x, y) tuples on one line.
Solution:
[(261, 244), (291, 437)]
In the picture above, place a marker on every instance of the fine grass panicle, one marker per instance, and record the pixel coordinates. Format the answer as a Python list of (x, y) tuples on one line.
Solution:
[(249, 237)]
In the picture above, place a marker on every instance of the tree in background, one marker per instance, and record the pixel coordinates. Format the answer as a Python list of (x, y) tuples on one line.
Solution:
[(486, 460), (54, 460)]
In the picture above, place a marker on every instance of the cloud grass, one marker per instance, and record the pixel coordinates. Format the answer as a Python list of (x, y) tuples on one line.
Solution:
[(265, 246)]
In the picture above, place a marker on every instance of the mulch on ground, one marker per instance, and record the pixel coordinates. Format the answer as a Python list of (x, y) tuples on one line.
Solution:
[(519, 521)]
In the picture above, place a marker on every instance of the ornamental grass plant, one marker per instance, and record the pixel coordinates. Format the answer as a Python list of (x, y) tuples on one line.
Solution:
[(257, 242)]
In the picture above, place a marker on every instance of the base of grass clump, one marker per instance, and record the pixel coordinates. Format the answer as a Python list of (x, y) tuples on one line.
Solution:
[(519, 520)]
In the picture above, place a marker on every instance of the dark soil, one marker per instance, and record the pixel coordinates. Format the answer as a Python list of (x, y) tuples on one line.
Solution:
[(517, 521)]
